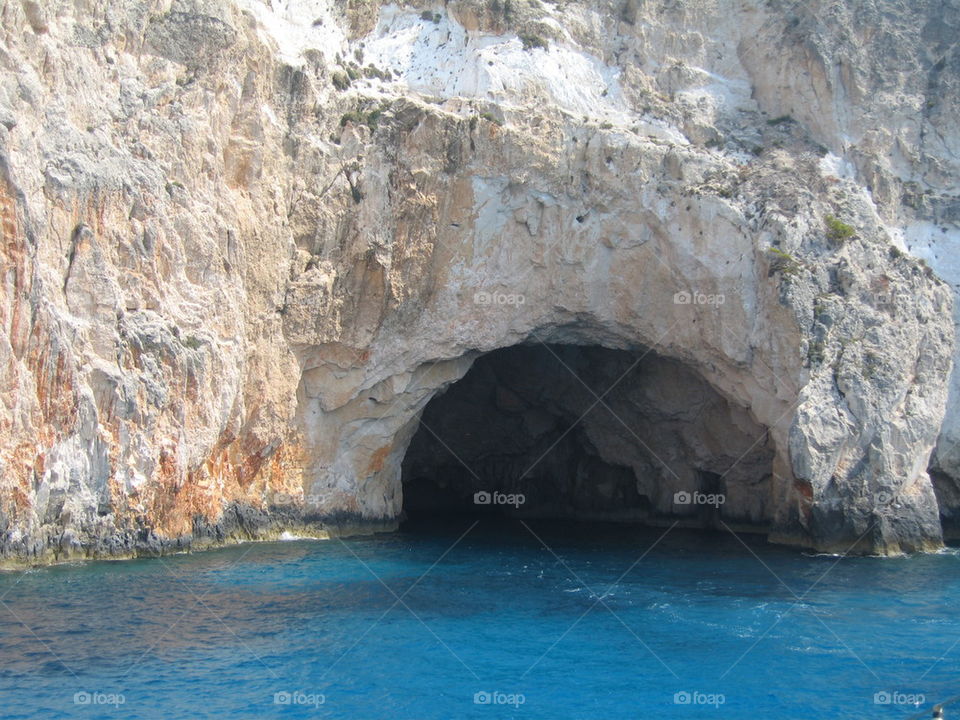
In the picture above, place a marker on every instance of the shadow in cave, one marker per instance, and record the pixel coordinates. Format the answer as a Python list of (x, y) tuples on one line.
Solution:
[(586, 433)]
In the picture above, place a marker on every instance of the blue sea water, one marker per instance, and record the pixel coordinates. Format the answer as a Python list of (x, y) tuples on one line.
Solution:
[(511, 621)]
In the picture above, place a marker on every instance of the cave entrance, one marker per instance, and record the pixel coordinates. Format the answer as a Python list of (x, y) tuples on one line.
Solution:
[(590, 433)]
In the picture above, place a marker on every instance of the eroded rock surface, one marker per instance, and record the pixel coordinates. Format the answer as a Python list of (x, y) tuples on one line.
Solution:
[(245, 243)]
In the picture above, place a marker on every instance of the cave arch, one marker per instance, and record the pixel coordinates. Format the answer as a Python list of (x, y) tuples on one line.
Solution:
[(587, 432)]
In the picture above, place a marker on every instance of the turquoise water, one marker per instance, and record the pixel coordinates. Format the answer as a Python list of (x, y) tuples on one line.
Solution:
[(313, 629)]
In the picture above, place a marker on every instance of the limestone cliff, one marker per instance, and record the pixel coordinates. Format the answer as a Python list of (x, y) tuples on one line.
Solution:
[(245, 242)]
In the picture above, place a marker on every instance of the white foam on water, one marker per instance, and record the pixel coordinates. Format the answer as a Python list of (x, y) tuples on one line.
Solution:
[(286, 536)]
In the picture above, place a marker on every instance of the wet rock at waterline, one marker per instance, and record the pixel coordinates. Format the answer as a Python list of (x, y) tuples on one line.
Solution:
[(246, 249)]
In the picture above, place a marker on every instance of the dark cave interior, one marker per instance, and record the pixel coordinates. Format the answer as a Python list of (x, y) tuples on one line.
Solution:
[(586, 432)]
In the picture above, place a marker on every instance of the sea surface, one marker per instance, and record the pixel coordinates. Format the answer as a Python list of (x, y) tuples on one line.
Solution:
[(485, 620)]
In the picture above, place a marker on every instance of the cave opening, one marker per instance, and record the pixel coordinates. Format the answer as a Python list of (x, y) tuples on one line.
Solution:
[(551, 431)]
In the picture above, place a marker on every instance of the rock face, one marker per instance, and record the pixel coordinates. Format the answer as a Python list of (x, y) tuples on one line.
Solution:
[(246, 242)]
